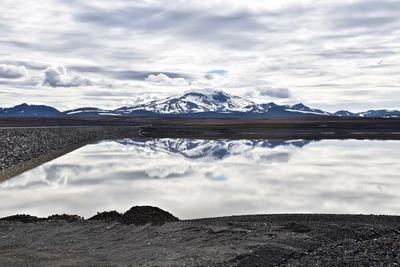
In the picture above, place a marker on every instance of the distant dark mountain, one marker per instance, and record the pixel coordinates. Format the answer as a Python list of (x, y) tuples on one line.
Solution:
[(206, 149), (306, 110), (209, 103), (25, 110), (382, 113), (345, 113)]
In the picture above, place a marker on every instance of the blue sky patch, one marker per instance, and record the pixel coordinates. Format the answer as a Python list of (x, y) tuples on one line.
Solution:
[(219, 72)]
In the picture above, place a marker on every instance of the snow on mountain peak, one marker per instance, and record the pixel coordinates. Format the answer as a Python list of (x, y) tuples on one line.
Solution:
[(216, 101), (205, 91), (193, 101)]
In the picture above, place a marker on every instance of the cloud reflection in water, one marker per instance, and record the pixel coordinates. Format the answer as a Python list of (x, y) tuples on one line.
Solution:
[(201, 178)]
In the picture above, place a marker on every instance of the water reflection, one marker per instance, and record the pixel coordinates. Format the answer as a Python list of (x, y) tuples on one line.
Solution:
[(207, 149), (202, 178)]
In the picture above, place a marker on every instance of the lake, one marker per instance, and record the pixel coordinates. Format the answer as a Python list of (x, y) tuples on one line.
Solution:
[(206, 178)]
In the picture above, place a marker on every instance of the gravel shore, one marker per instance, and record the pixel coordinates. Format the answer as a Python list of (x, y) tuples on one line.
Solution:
[(24, 148), (259, 240)]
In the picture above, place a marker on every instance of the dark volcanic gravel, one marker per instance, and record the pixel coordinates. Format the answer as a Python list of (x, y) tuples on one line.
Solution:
[(245, 241), (65, 217), (141, 215), (138, 215), (24, 218), (296, 227), (107, 216), (21, 145)]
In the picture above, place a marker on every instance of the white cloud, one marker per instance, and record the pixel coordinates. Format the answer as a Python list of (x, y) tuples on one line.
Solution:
[(162, 79), (341, 54), (59, 77), (267, 94), (12, 72), (211, 76), (274, 92)]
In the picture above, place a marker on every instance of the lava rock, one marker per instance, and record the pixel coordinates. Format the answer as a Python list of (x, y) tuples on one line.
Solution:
[(269, 255), (65, 217), (24, 218), (107, 216), (141, 215), (336, 232), (296, 228)]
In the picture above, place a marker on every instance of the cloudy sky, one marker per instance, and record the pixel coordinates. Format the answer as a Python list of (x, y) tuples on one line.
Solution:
[(327, 54)]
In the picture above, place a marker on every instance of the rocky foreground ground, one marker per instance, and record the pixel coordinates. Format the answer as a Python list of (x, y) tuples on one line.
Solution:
[(146, 236)]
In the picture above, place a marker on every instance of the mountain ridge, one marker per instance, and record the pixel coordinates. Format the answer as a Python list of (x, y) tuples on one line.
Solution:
[(196, 103)]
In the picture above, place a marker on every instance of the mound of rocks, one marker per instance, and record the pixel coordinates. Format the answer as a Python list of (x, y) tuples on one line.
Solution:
[(138, 215), (107, 216), (65, 217), (24, 218), (141, 215)]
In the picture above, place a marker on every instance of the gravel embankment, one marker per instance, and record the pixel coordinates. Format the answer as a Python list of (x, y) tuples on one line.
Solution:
[(19, 145), (244, 241)]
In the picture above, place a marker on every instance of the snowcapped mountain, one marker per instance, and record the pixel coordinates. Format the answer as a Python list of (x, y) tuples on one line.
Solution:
[(205, 149), (306, 110), (195, 101), (213, 102), (209, 103), (25, 110), (345, 113), (382, 113)]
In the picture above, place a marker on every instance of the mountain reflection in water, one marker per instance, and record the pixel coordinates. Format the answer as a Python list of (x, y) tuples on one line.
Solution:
[(202, 178), (207, 149)]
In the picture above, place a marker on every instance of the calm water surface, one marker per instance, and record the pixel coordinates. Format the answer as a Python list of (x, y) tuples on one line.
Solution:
[(197, 178)]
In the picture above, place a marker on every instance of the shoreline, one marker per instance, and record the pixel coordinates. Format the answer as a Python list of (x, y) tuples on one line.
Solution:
[(24, 148), (247, 240)]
